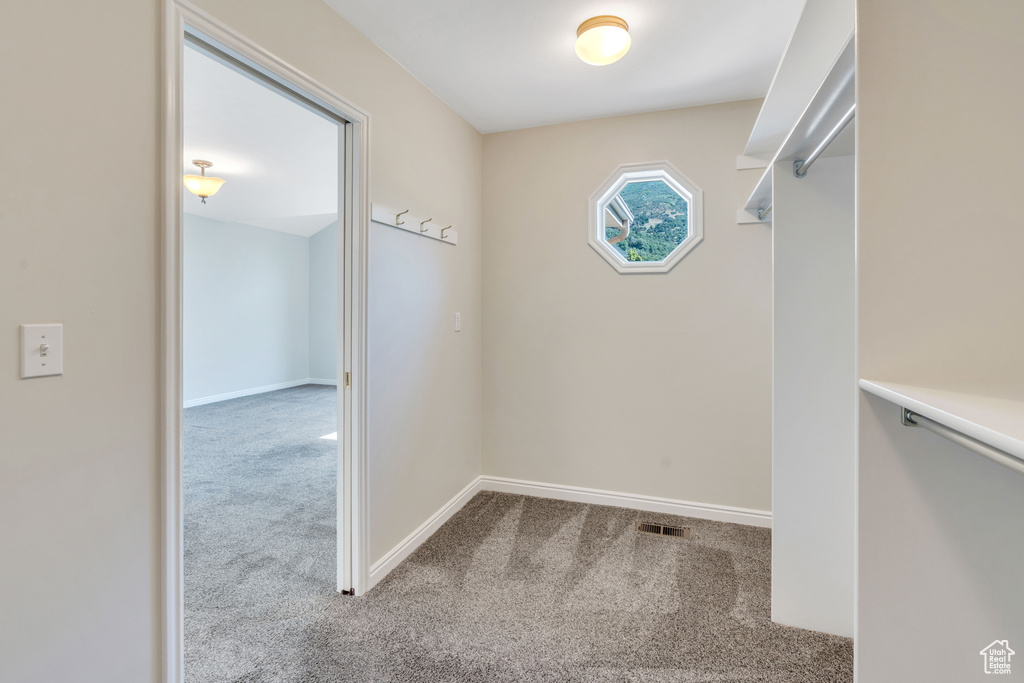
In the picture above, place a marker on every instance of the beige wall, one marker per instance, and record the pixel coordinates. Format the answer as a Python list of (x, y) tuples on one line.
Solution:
[(957, 150), (79, 477), (689, 415), (939, 177), (79, 510)]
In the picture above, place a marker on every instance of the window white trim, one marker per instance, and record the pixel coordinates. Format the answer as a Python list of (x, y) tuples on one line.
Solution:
[(624, 174)]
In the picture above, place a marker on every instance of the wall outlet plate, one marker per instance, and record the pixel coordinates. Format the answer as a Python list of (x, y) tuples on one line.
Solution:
[(42, 350)]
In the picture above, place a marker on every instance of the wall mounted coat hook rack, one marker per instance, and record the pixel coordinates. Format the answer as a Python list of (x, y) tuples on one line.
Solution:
[(427, 228)]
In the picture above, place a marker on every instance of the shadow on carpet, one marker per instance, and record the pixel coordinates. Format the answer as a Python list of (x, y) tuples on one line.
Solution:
[(517, 589)]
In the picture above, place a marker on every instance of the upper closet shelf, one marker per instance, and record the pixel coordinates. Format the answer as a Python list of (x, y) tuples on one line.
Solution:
[(821, 123), (424, 227), (995, 421)]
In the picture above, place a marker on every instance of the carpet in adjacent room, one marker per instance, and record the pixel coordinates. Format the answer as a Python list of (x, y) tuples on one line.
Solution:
[(260, 492)]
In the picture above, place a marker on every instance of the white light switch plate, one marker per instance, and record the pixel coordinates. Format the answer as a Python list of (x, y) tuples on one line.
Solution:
[(42, 350), (458, 322)]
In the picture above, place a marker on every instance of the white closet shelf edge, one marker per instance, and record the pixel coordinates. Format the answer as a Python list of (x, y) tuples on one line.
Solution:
[(994, 420)]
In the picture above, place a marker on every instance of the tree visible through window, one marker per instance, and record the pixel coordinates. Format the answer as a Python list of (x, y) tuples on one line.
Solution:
[(659, 221), (646, 217)]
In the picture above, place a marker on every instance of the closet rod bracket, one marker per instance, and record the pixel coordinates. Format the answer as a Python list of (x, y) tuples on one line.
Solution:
[(800, 166), (907, 418)]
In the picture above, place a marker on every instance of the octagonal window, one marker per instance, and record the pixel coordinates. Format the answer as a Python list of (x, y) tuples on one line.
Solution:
[(645, 218)]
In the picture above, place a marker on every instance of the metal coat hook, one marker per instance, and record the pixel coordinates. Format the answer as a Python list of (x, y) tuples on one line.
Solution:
[(406, 220)]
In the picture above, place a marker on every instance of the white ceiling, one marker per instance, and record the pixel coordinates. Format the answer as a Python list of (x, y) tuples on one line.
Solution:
[(278, 159), (508, 64)]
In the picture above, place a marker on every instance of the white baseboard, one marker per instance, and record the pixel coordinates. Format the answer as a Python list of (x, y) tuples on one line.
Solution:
[(255, 390), (394, 557), (577, 494), (717, 513)]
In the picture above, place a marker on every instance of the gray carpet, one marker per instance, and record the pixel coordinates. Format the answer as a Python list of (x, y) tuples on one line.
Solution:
[(511, 589), (260, 491)]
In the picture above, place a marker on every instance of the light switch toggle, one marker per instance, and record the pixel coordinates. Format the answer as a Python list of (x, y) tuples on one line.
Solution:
[(42, 350)]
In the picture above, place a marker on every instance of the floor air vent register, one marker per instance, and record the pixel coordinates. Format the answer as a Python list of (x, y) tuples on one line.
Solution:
[(662, 530)]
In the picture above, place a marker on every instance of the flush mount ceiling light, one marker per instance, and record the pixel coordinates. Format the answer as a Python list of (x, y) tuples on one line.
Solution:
[(602, 40), (200, 185)]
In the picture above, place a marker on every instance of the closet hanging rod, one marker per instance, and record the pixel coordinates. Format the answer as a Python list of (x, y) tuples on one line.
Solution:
[(764, 212), (911, 419), (800, 166)]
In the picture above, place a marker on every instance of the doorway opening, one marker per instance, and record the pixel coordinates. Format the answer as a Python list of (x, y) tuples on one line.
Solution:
[(264, 313), (260, 351)]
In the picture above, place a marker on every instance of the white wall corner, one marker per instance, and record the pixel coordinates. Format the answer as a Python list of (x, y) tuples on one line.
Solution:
[(394, 557)]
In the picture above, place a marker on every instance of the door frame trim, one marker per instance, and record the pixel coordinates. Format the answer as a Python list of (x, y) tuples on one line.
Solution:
[(353, 304)]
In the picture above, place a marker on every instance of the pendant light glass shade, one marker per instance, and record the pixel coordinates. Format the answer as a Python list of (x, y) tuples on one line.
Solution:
[(602, 40), (203, 185)]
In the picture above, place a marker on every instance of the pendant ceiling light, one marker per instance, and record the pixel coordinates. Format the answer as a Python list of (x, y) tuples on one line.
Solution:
[(602, 40), (201, 185)]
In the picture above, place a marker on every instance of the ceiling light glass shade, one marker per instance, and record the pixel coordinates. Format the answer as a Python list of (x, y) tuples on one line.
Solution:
[(203, 186), (602, 40)]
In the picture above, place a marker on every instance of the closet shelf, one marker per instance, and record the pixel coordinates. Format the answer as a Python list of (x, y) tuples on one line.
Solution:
[(830, 103), (997, 421)]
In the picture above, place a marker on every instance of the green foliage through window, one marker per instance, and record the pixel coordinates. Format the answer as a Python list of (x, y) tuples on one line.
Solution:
[(660, 221)]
